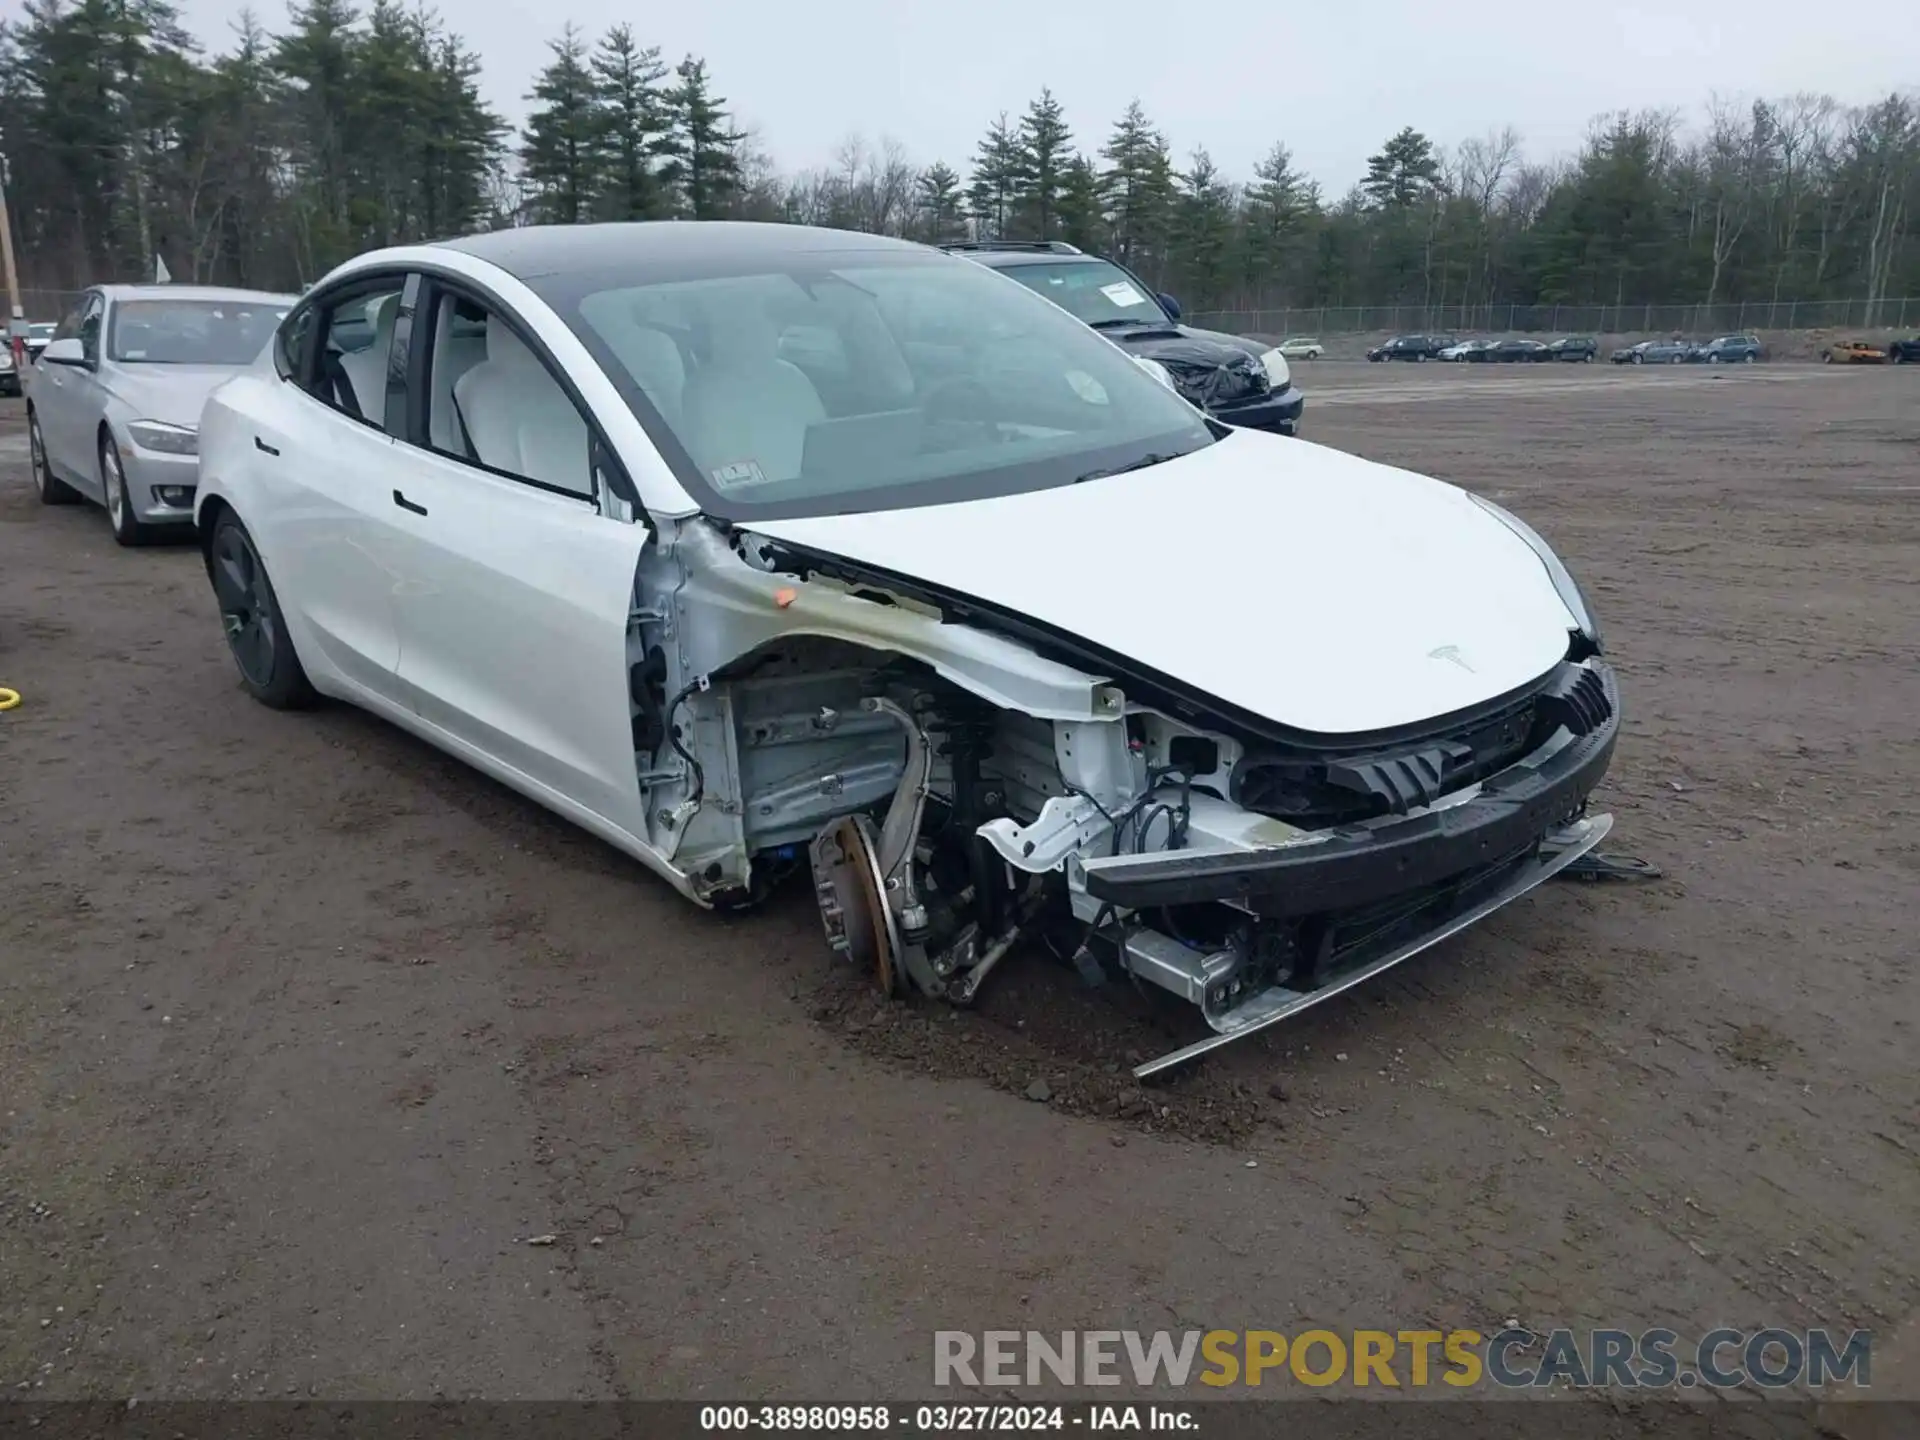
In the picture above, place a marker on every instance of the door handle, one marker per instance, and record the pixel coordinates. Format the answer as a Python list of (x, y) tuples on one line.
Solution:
[(262, 445), (406, 504)]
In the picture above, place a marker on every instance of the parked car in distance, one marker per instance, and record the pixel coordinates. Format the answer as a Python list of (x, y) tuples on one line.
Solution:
[(1461, 350), (1854, 352), (1302, 347), (1654, 352), (13, 364), (1728, 350), (1410, 347), (1905, 352), (1580, 348), (114, 399), (1242, 382), (740, 615), (1514, 350)]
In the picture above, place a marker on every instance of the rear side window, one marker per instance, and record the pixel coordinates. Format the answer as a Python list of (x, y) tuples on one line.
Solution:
[(355, 340)]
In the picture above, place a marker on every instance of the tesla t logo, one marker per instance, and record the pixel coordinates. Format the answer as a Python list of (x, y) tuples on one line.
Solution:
[(1450, 652)]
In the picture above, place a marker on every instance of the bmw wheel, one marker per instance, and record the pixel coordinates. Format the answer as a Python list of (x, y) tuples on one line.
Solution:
[(128, 528), (255, 626), (52, 489)]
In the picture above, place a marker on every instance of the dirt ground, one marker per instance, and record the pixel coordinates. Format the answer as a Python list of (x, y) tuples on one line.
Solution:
[(311, 1038)]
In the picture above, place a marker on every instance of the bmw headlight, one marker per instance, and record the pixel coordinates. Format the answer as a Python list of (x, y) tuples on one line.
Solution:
[(1278, 376), (1564, 584), (166, 439)]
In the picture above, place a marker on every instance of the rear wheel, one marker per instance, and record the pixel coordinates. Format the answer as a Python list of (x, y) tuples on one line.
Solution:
[(250, 614), (128, 528), (51, 489)]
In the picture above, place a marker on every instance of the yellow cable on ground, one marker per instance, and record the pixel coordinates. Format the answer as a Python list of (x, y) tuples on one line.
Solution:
[(8, 698)]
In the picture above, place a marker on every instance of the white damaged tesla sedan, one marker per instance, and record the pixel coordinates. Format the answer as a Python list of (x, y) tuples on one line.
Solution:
[(757, 548)]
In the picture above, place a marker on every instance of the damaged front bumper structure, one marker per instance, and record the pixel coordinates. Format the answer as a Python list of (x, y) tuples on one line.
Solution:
[(1339, 906), (1250, 919)]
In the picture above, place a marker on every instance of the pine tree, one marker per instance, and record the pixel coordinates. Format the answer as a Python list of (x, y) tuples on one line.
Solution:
[(1137, 190), (1081, 222), (702, 147), (1404, 169), (1203, 230), (634, 106), (938, 205), (563, 152), (1042, 154), (996, 174), (1278, 209)]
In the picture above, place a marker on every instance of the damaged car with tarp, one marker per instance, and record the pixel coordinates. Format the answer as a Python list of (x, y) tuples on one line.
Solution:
[(767, 552)]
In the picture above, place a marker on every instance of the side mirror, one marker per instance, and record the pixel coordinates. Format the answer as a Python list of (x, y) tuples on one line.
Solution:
[(1170, 305), (64, 352)]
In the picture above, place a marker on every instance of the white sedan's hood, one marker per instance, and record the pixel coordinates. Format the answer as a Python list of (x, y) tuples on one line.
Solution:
[(1320, 591)]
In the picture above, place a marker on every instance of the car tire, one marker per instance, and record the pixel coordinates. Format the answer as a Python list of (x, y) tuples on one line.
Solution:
[(1636, 360), (128, 528), (1827, 359), (51, 489), (251, 618)]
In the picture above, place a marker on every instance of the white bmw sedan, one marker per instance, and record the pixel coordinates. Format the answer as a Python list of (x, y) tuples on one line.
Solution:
[(756, 548)]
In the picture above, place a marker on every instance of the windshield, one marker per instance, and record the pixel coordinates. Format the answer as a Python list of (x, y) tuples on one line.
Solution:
[(1096, 291), (893, 379), (192, 332)]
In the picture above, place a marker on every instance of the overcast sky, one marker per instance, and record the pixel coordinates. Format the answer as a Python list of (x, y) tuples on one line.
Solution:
[(1331, 80)]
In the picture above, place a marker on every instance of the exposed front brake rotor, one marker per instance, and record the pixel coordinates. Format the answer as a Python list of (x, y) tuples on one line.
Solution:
[(852, 898)]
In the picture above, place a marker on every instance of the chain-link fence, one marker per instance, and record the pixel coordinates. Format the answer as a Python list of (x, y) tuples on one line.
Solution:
[(1321, 320), (1731, 318)]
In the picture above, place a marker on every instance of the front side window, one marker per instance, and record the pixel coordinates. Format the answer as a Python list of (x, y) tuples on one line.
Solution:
[(1096, 291), (492, 402), (872, 381), (192, 332)]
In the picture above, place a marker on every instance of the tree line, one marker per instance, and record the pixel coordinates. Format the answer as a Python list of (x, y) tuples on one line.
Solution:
[(356, 126)]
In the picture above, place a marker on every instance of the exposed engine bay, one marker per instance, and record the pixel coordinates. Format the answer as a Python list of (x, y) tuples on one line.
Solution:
[(952, 789)]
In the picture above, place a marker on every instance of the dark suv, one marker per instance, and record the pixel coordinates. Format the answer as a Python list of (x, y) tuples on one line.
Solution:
[(1240, 381), (1411, 347), (1728, 350)]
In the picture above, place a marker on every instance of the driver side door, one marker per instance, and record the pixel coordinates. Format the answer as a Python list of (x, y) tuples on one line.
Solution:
[(514, 588)]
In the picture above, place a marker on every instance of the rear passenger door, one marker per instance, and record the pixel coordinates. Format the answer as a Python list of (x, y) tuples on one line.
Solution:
[(321, 462), (514, 586)]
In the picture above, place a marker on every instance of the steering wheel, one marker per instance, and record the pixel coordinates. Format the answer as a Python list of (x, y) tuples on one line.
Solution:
[(942, 392)]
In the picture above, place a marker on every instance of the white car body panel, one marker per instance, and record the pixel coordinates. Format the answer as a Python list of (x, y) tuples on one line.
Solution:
[(318, 511), (1310, 559), (512, 608), (1279, 585)]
